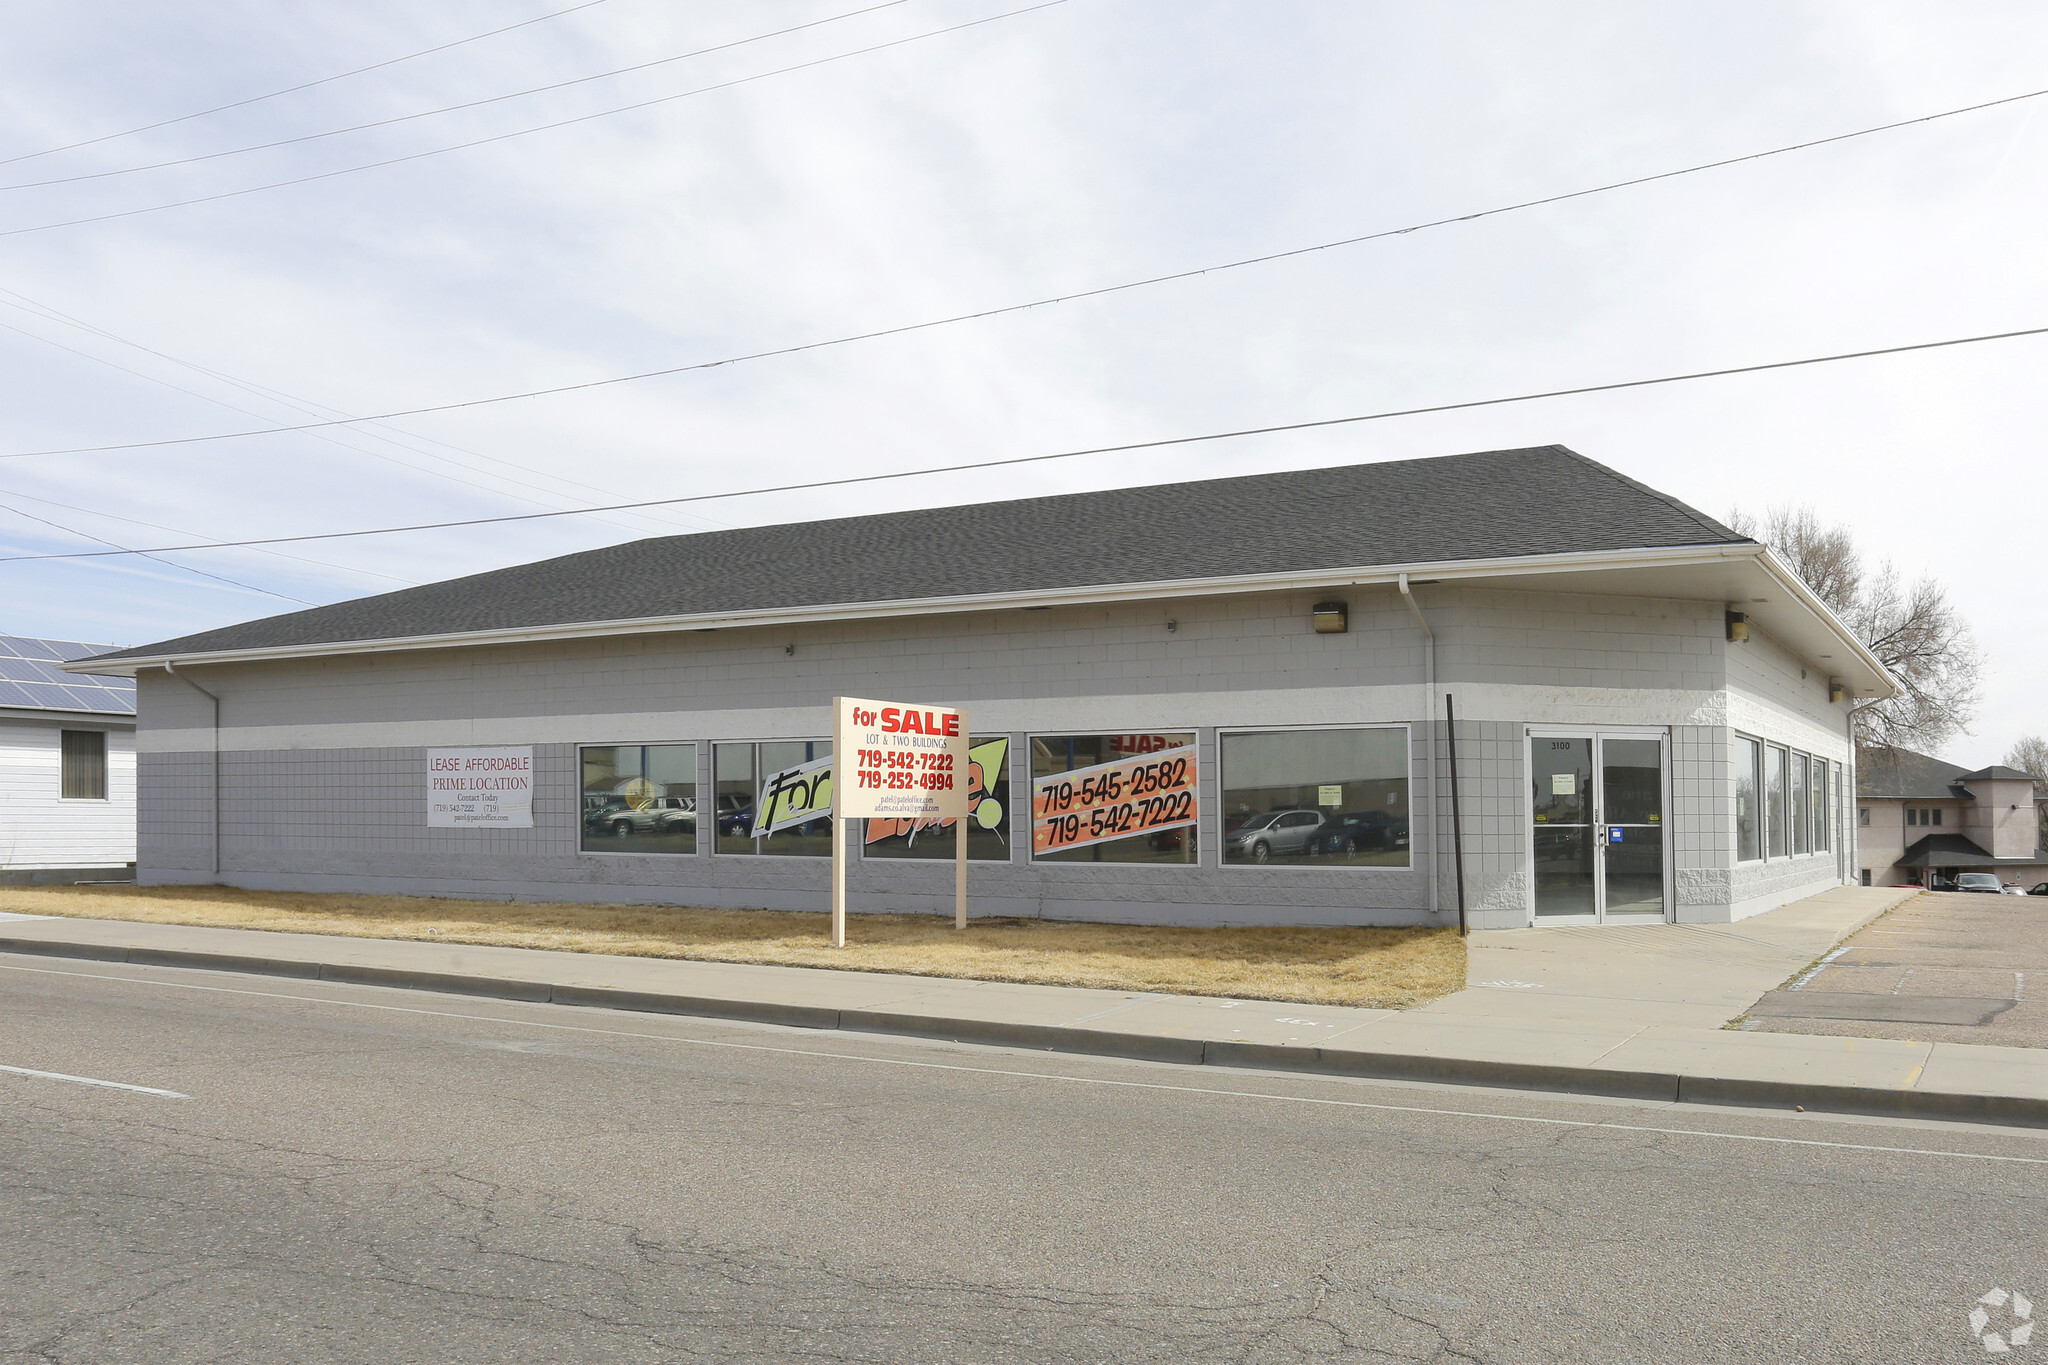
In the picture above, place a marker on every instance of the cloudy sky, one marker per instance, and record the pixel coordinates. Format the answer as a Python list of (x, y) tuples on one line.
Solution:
[(1071, 146)]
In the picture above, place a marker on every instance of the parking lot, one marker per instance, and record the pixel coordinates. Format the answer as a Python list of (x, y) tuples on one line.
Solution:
[(1943, 967)]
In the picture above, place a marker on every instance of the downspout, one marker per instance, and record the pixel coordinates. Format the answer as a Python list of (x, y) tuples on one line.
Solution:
[(1429, 687), (1852, 846), (172, 669)]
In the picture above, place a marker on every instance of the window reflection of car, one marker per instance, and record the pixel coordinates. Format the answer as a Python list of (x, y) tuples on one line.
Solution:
[(1362, 831), (1273, 832), (659, 816)]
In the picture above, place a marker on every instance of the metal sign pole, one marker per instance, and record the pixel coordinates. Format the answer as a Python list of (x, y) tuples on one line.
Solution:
[(839, 804)]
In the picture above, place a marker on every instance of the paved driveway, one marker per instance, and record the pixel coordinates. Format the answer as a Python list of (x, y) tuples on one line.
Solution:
[(1943, 967)]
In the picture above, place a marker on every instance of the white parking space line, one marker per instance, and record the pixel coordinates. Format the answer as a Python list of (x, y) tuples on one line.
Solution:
[(90, 1080), (1056, 1077)]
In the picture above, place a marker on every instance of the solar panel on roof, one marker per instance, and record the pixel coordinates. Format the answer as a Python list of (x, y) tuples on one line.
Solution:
[(14, 694), (32, 670)]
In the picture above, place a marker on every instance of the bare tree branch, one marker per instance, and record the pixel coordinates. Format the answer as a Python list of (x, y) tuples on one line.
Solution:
[(1915, 631)]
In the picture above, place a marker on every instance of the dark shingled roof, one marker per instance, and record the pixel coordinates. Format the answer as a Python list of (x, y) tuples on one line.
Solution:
[(1497, 504), (1953, 850), (1905, 775), (1998, 772)]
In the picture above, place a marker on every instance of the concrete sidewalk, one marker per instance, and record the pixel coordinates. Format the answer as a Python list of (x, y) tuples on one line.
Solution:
[(1630, 1010)]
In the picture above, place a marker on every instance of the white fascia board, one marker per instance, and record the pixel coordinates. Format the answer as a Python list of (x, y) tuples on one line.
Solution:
[(1322, 579), (1791, 582)]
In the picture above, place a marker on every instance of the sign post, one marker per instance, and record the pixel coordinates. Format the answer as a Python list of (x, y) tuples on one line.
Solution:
[(902, 761)]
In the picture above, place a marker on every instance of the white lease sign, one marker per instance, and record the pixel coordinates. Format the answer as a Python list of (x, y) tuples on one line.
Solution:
[(480, 788), (897, 760)]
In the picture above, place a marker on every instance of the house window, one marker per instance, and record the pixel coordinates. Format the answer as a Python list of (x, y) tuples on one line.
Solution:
[(84, 776), (1866, 876), (1799, 803), (639, 798), (1936, 813), (1082, 834), (1863, 816), (791, 781), (1749, 758), (988, 814), (1320, 798), (1776, 829)]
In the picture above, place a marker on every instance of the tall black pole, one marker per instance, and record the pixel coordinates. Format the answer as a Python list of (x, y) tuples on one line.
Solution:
[(1457, 821)]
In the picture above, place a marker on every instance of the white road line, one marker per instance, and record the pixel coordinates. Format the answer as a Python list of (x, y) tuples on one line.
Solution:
[(1030, 1075), (89, 1080)]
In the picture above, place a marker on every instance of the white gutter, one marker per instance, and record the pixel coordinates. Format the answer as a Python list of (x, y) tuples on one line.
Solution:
[(1429, 691), (1318, 580)]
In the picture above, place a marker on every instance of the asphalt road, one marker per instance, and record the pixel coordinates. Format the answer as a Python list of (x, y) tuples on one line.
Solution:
[(351, 1174)]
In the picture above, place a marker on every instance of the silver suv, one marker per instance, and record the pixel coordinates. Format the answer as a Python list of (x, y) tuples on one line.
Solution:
[(1274, 832), (663, 814)]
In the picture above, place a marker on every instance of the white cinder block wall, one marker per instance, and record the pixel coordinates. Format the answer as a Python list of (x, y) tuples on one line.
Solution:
[(39, 830), (323, 783)]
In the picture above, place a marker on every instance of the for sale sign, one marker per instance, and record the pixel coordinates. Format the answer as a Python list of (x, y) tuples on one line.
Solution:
[(480, 788), (1113, 800), (900, 760)]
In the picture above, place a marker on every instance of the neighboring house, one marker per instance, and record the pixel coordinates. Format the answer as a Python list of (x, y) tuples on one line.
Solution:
[(1652, 711), (1919, 818), (67, 767)]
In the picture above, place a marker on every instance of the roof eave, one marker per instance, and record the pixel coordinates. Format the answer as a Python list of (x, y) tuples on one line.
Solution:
[(1324, 579)]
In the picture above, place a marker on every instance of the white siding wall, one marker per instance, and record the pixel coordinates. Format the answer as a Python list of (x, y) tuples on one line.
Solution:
[(38, 829)]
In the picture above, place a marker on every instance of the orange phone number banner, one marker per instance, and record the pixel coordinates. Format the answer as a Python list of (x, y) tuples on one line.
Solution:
[(1113, 800)]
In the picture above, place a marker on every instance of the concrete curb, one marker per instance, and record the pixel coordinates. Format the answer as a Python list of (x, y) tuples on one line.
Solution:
[(1578, 1080)]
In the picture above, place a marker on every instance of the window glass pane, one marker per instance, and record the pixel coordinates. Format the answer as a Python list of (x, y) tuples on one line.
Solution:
[(1774, 801), (1165, 763), (745, 775), (1632, 781), (1562, 770), (1748, 760), (84, 765), (1325, 798), (1799, 803), (1820, 805), (988, 814), (640, 798), (1936, 813)]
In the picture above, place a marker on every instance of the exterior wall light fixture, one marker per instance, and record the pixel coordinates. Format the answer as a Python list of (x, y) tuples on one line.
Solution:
[(1738, 627), (1330, 618), (1837, 690)]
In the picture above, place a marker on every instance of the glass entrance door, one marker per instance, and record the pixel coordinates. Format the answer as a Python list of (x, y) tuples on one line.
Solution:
[(1597, 836)]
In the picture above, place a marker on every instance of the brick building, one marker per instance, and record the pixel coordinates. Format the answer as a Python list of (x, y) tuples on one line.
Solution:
[(1651, 712)]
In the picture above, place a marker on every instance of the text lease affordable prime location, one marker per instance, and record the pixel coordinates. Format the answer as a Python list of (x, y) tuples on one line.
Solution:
[(491, 788)]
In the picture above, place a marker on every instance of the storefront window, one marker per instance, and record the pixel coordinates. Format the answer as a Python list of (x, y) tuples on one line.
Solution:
[(1800, 803), (1774, 801), (640, 798), (1820, 805), (782, 788), (1114, 798), (1749, 757), (1321, 798), (988, 814)]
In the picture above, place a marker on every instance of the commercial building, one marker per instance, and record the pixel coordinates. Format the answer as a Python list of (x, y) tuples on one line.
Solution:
[(67, 767), (1651, 712), (1923, 822)]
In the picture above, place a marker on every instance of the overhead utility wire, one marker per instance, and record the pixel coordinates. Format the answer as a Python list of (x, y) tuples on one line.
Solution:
[(156, 558), (1045, 302), (1092, 450), (376, 431), (451, 108), (539, 128), (294, 89)]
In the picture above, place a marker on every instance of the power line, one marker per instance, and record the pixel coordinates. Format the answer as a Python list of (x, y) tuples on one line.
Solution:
[(540, 128), (1005, 309), (294, 89), (375, 430), (1092, 450), (451, 108), (155, 557)]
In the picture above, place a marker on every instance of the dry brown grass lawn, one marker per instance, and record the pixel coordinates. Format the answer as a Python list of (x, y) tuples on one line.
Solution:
[(1388, 968)]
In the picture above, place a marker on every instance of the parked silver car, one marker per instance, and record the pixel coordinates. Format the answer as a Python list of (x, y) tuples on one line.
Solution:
[(1274, 832), (663, 814)]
